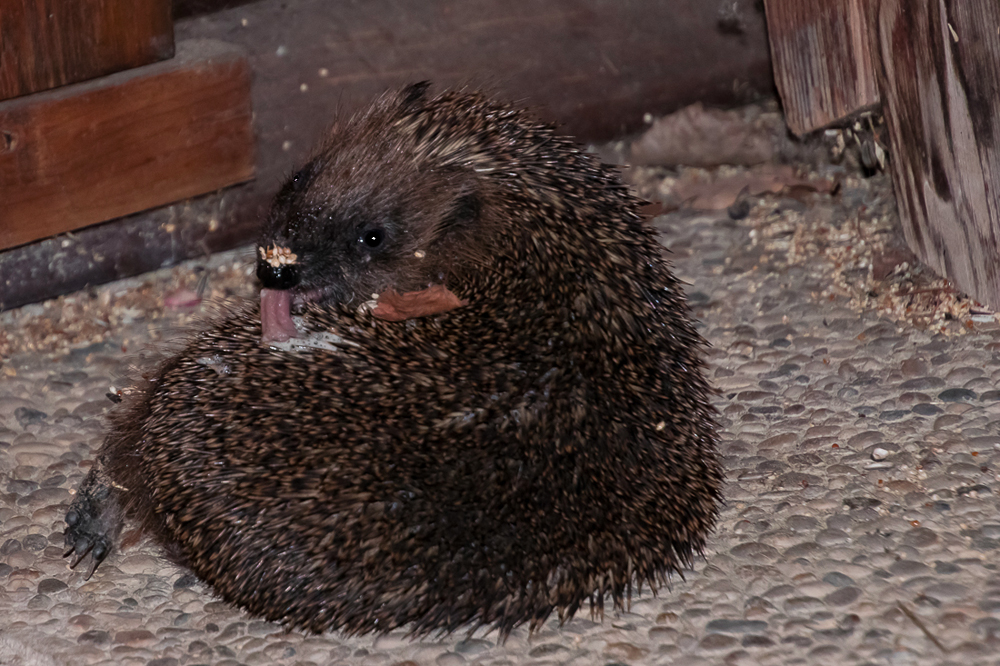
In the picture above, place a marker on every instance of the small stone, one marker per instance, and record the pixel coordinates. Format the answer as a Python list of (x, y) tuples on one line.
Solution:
[(798, 523), (843, 596), (162, 661), (752, 396), (140, 563), (626, 651), (779, 591), (798, 641), (21, 559), (94, 637), (913, 367), (27, 416), (947, 421), (546, 649), (822, 653), (21, 487), (756, 641), (473, 646), (838, 579), (663, 634), (736, 626), (957, 395), (716, 642), (946, 568), (136, 638), (798, 480), (832, 537), (909, 568), (262, 628), (803, 605), (920, 537), (39, 602), (805, 549), (51, 586), (34, 542), (185, 581), (922, 384), (233, 630), (778, 441), (987, 627), (754, 550), (82, 621), (947, 592), (880, 454), (855, 503), (450, 659), (979, 489)]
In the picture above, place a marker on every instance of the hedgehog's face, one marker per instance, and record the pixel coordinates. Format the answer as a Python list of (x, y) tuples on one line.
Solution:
[(345, 234), (330, 247)]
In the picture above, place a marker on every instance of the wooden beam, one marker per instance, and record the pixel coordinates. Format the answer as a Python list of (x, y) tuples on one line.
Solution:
[(822, 60), (123, 143), (50, 43), (939, 71)]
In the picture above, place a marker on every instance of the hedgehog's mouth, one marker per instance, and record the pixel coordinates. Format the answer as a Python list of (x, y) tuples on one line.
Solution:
[(276, 307)]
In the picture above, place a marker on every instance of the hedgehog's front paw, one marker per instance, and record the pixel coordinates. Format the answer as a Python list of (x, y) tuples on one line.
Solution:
[(88, 528)]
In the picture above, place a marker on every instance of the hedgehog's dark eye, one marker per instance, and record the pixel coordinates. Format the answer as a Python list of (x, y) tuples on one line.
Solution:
[(301, 178), (372, 237)]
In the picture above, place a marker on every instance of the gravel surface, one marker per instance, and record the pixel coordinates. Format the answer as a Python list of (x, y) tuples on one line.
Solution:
[(862, 453)]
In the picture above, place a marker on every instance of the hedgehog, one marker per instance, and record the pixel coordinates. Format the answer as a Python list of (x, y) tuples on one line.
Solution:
[(470, 394)]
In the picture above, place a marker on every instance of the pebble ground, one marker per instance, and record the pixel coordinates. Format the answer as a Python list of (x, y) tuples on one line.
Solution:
[(861, 524)]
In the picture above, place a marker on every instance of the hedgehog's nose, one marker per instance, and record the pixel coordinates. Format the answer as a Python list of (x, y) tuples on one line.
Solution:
[(284, 276)]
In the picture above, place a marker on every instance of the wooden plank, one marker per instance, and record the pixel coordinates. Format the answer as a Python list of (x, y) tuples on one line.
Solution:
[(822, 60), (939, 70), (50, 43), (123, 143), (596, 67)]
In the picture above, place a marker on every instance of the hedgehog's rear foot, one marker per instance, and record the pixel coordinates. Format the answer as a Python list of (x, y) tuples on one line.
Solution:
[(92, 523)]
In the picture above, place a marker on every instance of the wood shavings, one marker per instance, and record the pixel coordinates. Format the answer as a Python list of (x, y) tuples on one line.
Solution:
[(111, 311), (859, 255)]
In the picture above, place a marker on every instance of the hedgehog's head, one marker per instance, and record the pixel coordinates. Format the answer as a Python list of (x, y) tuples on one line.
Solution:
[(375, 216)]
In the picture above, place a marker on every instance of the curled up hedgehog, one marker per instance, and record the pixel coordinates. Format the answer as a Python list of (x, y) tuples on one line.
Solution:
[(470, 394)]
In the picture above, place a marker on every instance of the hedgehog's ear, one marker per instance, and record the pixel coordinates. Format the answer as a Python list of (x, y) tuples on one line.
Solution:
[(412, 94)]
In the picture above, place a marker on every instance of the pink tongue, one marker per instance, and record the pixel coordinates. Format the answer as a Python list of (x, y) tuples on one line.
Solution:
[(276, 316)]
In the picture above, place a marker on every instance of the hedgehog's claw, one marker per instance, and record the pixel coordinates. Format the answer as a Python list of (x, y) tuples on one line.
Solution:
[(98, 553), (87, 530), (97, 546)]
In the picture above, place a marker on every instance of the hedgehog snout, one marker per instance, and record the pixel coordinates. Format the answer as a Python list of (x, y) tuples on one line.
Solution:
[(282, 276)]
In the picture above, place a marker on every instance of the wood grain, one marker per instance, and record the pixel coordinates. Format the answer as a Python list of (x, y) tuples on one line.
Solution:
[(939, 70), (50, 43), (822, 60), (133, 140)]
